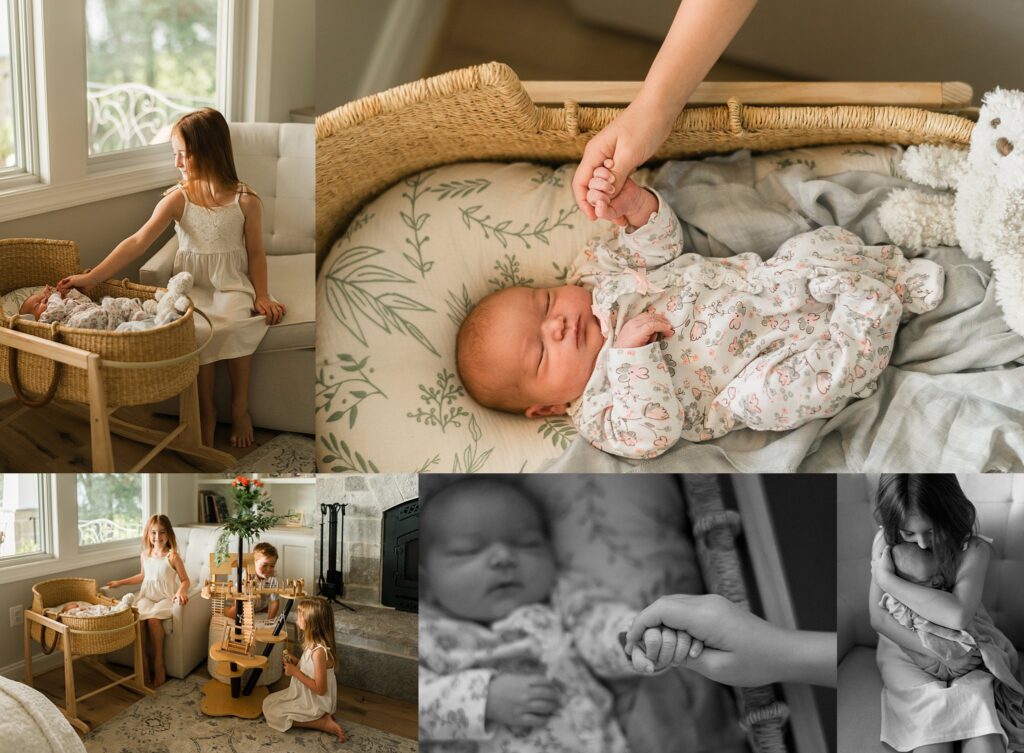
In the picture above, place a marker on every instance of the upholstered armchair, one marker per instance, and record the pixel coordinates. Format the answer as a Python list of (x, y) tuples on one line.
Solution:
[(276, 160)]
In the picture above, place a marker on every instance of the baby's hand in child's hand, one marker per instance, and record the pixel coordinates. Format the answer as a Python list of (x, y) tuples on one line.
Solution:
[(643, 329), (664, 647), (521, 700), (272, 310), (83, 282)]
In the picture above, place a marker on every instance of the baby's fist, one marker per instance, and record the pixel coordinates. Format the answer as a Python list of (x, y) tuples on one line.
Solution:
[(643, 329), (521, 700)]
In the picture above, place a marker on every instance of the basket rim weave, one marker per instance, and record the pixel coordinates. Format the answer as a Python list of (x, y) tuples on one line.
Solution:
[(483, 113)]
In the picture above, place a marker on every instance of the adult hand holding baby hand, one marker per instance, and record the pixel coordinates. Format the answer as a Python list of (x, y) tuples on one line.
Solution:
[(83, 282), (521, 700), (664, 647), (643, 329)]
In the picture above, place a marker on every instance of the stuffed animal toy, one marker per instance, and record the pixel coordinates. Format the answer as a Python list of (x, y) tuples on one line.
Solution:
[(985, 215), (173, 302)]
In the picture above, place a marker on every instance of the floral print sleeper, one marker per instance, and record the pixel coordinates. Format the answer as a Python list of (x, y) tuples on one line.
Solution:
[(568, 641), (766, 344)]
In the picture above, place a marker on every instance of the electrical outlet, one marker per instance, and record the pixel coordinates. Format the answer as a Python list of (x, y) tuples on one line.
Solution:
[(17, 615)]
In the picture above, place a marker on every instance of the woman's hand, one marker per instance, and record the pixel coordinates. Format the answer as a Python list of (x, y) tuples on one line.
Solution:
[(271, 309), (628, 141), (882, 567), (83, 282)]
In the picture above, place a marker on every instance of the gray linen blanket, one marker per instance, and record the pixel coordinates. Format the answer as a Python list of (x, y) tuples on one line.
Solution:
[(957, 652), (952, 398)]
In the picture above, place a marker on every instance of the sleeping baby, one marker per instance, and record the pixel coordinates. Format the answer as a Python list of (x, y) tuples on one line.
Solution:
[(75, 309), (650, 345), (508, 656)]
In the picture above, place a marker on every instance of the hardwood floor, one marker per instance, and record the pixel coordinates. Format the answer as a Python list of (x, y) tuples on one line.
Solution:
[(49, 439), (370, 709), (542, 41)]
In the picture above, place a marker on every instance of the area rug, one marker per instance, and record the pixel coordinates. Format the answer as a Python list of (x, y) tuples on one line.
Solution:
[(284, 454), (171, 722)]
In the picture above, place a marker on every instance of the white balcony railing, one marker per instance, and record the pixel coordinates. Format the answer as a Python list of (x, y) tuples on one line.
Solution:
[(126, 116), (101, 530)]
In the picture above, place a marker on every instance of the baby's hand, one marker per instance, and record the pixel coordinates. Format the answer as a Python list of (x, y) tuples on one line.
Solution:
[(521, 700), (83, 282), (661, 648), (643, 329), (632, 206)]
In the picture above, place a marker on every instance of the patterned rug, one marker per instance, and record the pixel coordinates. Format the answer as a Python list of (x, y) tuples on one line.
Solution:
[(284, 454), (171, 722)]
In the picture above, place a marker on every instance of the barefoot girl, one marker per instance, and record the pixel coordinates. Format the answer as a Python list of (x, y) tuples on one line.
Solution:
[(311, 698), (219, 221), (161, 566), (920, 712)]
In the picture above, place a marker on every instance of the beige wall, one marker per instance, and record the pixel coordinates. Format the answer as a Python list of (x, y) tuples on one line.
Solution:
[(294, 45)]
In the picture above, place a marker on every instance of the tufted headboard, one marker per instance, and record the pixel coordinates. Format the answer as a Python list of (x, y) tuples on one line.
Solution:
[(999, 499)]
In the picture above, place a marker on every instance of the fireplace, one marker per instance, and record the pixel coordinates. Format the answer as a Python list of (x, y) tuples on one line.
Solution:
[(400, 557)]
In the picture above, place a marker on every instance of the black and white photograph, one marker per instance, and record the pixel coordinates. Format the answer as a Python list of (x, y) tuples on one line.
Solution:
[(612, 613), (931, 613)]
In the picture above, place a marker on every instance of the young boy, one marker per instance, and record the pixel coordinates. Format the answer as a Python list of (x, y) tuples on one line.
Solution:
[(264, 557), (651, 345)]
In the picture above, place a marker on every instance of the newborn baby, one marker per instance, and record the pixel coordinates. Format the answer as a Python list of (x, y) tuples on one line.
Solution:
[(88, 609), (75, 309), (916, 565), (507, 655), (650, 345)]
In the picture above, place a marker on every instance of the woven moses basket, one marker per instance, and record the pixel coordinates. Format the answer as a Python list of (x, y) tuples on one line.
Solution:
[(86, 635), (137, 367), (485, 113)]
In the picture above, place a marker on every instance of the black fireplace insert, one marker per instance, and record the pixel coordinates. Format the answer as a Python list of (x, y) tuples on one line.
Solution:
[(400, 557)]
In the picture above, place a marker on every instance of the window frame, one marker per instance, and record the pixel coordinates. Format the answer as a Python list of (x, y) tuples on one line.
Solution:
[(61, 527), (58, 172), (46, 544)]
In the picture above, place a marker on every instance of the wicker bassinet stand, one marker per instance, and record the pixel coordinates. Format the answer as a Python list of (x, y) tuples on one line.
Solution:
[(82, 638), (103, 370)]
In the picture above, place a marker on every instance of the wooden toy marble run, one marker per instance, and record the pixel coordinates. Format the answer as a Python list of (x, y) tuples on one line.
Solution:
[(239, 634)]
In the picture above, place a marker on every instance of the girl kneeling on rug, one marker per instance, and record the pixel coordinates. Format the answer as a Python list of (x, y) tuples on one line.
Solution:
[(311, 698)]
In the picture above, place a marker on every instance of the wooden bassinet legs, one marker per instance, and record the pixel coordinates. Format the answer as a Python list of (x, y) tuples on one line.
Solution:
[(186, 437), (134, 681)]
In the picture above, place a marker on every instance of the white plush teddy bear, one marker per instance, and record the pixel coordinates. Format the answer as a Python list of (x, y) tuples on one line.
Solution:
[(985, 217), (173, 302)]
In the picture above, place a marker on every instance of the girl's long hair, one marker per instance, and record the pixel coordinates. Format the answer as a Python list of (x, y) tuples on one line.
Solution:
[(318, 618), (938, 497), (207, 141), (165, 522)]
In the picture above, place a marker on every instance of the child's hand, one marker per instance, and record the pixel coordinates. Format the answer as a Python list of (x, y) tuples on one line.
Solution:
[(83, 282), (112, 584), (521, 700), (271, 309), (291, 669), (643, 329), (181, 596)]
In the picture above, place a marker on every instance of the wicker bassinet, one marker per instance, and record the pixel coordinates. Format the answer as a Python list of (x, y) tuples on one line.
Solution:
[(485, 113), (137, 367), (86, 635)]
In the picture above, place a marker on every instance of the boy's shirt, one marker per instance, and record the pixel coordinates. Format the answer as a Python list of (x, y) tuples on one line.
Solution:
[(262, 603), (769, 344)]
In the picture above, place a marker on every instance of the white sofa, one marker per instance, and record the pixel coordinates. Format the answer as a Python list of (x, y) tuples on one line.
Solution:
[(276, 160), (999, 499)]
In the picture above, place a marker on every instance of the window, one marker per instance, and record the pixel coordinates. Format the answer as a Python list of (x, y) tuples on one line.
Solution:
[(147, 63), (23, 527), (8, 154), (111, 507)]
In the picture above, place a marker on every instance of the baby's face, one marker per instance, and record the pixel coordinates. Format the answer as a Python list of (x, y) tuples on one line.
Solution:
[(915, 564), (488, 553), (35, 304), (547, 341)]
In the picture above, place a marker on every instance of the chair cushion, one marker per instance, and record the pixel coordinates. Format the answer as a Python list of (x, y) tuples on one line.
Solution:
[(276, 160), (394, 289), (291, 282), (860, 703)]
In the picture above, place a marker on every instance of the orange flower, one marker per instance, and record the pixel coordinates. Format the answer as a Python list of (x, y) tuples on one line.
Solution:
[(257, 482), (242, 480)]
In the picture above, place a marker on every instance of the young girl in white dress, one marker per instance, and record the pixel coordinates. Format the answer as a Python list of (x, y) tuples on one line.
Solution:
[(162, 569), (919, 712), (311, 698), (219, 222)]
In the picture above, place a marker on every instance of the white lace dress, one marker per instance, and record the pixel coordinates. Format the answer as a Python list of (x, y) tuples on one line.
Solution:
[(159, 584), (297, 703), (211, 246)]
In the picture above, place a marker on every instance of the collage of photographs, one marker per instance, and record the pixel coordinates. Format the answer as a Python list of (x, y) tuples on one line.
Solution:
[(511, 376)]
